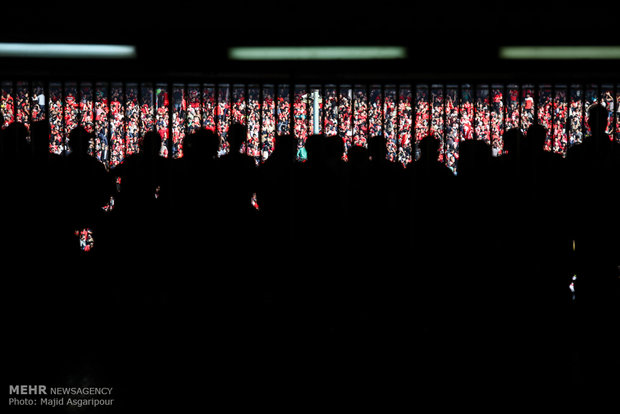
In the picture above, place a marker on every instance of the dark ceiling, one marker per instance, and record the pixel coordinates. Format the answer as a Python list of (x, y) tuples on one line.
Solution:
[(183, 38)]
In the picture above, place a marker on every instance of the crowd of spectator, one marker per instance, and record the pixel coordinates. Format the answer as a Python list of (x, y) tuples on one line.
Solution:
[(118, 114)]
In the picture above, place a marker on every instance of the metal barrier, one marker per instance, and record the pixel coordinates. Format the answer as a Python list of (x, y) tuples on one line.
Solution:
[(119, 113)]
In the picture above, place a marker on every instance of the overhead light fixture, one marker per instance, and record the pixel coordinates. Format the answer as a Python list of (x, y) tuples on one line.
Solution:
[(559, 52), (67, 50), (317, 52)]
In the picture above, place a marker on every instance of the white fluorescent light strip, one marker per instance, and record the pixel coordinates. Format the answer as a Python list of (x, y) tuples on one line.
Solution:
[(317, 53), (559, 52), (67, 50)]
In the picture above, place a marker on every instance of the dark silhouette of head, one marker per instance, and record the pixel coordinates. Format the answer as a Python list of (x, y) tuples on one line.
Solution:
[(14, 143), (314, 147), (429, 148), (536, 136), (237, 134), (203, 144), (285, 148), (334, 147), (40, 136), (79, 140), (377, 148), (513, 141), (598, 119), (474, 158), (151, 144), (358, 155)]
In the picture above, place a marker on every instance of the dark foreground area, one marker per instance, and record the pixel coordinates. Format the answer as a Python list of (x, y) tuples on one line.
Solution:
[(357, 278)]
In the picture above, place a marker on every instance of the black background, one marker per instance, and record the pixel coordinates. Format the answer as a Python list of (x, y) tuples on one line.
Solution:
[(449, 40)]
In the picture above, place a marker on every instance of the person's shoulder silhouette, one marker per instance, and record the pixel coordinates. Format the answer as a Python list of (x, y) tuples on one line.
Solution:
[(14, 148), (144, 173), (358, 156), (201, 147), (89, 185), (237, 172), (237, 137), (598, 149), (428, 166), (196, 169), (514, 145), (284, 152), (475, 160), (40, 132)]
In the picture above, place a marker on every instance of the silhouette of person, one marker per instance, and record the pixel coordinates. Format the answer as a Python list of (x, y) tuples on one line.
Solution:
[(14, 150), (143, 176), (135, 228), (514, 152), (238, 175), (195, 201), (276, 188), (430, 186), (17, 198), (359, 166), (531, 252), (47, 183), (40, 141), (88, 186), (593, 174)]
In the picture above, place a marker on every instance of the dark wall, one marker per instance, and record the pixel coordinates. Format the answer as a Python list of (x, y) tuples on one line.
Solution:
[(182, 39)]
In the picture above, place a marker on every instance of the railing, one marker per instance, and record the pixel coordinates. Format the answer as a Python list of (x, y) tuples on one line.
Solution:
[(119, 113)]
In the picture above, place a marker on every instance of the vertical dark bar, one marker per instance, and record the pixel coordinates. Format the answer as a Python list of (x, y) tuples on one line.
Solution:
[(170, 140), (382, 107), (141, 129), (368, 104), (489, 114), (261, 102), (442, 118), (324, 109), (216, 110), (109, 126), (309, 111), (552, 109), (617, 114), (505, 98), (46, 93), (398, 105), (15, 100), (474, 97), (536, 102), (338, 94), (64, 138), (127, 142), (30, 94)]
